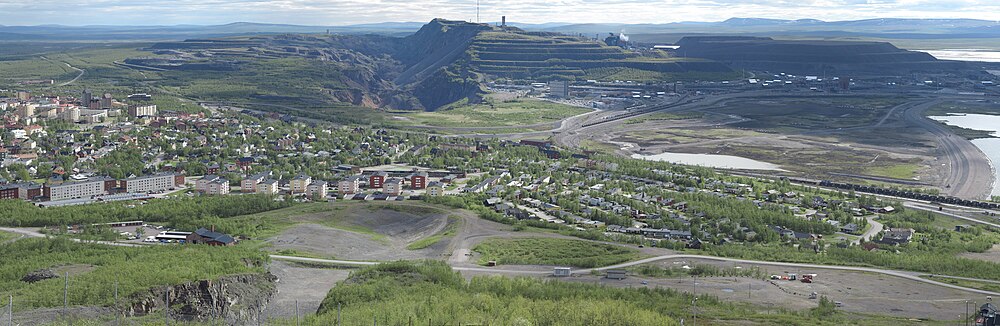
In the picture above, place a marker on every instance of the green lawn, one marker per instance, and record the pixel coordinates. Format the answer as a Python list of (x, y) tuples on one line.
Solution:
[(516, 112), (544, 251), (4, 236), (897, 171)]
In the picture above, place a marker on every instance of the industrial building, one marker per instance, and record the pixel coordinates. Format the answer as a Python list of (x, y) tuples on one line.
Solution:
[(559, 89)]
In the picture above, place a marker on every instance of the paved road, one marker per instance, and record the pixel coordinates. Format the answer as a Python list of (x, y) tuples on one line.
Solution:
[(929, 208), (875, 229), (913, 276), (70, 67), (36, 234)]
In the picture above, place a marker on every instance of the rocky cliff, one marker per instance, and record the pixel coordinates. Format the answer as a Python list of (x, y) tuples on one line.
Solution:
[(234, 300)]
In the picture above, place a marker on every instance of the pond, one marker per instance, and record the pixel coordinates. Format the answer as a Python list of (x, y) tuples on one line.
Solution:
[(966, 55), (711, 160), (989, 146)]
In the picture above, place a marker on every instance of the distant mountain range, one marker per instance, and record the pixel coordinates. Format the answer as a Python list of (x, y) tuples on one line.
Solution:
[(886, 27)]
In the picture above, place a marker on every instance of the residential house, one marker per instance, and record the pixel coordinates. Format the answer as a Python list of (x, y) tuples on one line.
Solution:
[(897, 236)]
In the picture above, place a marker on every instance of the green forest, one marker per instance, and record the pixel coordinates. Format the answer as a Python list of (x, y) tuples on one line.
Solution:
[(185, 213)]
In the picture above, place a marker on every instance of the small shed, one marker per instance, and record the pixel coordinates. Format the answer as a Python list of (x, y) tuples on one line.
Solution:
[(616, 274), (561, 272)]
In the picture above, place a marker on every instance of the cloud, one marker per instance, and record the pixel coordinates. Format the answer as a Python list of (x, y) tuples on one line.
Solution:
[(343, 12)]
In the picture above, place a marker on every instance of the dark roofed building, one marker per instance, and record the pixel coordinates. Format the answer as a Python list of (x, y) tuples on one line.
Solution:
[(211, 238), (897, 236)]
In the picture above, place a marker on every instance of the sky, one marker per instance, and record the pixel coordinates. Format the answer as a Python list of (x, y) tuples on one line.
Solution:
[(346, 12)]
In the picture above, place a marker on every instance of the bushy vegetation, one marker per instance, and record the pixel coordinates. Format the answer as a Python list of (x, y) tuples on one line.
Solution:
[(430, 292), (545, 251), (94, 269), (703, 270), (182, 212)]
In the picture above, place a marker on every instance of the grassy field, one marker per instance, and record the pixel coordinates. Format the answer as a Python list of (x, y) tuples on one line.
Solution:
[(899, 171), (988, 286), (516, 112), (5, 236), (544, 251)]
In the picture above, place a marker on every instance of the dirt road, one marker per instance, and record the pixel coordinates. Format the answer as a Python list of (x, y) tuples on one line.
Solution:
[(968, 173)]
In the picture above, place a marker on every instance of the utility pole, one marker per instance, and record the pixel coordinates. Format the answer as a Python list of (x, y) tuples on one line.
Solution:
[(338, 313), (10, 311), (66, 295), (966, 323), (296, 312), (117, 311), (694, 302), (166, 310)]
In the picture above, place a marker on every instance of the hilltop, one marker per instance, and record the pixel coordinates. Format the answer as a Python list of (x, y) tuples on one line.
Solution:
[(811, 56), (443, 62)]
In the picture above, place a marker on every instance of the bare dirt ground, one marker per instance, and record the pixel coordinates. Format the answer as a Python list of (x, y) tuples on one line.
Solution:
[(993, 254), (365, 232), (305, 285)]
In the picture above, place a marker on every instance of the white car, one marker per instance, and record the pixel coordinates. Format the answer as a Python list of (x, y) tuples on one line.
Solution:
[(149, 239)]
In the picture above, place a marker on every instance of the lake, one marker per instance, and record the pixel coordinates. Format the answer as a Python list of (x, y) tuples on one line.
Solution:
[(989, 146), (966, 55), (711, 160)]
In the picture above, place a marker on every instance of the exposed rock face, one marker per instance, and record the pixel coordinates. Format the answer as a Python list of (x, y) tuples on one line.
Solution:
[(235, 299), (39, 275)]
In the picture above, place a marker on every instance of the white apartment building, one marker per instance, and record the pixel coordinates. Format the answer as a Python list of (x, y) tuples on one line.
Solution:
[(83, 189), (150, 184)]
